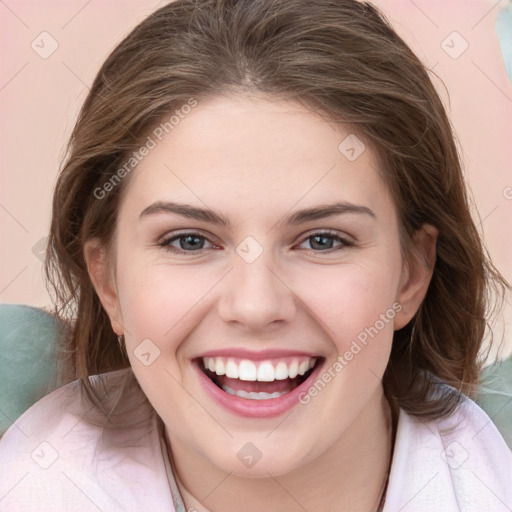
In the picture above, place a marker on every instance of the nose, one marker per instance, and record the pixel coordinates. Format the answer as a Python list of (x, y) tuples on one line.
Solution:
[(255, 297)]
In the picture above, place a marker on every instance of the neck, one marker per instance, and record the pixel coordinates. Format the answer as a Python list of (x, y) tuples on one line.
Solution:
[(351, 475)]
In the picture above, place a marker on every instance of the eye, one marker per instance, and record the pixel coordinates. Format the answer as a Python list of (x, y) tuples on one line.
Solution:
[(191, 242), (185, 243), (325, 241)]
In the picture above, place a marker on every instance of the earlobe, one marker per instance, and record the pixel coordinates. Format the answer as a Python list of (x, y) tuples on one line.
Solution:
[(100, 273), (416, 274)]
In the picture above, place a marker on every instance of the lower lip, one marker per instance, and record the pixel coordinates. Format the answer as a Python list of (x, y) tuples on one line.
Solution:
[(256, 408)]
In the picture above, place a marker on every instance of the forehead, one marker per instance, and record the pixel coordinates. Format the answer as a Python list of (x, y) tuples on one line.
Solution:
[(254, 154)]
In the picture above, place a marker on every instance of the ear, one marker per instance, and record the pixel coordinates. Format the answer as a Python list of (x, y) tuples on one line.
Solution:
[(103, 280), (416, 274)]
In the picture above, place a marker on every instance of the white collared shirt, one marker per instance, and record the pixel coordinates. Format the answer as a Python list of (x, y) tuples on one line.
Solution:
[(59, 456)]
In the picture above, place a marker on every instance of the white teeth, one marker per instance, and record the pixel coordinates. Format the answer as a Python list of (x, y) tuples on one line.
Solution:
[(281, 371), (253, 395), (231, 369), (247, 370), (293, 370), (220, 368), (265, 371)]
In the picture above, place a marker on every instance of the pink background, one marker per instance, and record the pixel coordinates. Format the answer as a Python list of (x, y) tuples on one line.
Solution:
[(40, 98)]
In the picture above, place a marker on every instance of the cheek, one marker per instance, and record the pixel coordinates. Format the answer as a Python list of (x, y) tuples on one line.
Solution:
[(160, 301), (349, 299)]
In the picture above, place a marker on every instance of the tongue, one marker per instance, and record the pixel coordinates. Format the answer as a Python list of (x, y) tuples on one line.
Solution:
[(285, 385)]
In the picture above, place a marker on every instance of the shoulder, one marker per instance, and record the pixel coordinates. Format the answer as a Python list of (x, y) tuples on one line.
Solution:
[(460, 462), (66, 453)]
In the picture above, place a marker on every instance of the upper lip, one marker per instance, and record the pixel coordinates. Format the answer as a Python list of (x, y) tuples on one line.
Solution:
[(259, 355)]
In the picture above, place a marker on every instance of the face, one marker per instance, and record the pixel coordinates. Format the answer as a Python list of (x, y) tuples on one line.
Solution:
[(258, 282)]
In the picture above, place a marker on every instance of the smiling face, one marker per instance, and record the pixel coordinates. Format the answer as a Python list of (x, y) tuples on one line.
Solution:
[(252, 255)]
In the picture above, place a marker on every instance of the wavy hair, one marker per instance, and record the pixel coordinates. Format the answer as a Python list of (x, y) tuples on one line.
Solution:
[(339, 58)]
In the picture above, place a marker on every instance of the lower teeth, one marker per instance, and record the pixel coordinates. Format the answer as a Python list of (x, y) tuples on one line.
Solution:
[(253, 395)]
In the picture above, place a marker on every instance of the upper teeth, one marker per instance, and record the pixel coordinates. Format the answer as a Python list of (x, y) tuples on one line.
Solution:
[(265, 371)]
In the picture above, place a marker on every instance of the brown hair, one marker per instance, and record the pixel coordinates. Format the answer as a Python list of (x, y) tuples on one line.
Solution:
[(339, 58)]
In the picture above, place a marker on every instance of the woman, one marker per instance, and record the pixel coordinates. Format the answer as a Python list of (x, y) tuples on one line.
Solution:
[(278, 294)]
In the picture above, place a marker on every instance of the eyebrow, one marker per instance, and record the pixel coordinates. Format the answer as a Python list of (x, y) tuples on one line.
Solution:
[(185, 210), (298, 217)]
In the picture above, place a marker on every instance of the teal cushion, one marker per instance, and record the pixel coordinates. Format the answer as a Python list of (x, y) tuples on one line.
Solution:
[(503, 28), (495, 396), (29, 368), (28, 359)]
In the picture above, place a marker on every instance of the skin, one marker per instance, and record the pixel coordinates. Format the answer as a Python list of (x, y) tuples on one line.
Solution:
[(255, 160)]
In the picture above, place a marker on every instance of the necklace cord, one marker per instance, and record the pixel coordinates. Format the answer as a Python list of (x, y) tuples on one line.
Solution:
[(173, 477)]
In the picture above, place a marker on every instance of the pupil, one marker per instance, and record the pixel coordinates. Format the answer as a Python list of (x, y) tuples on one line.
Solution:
[(319, 240), (191, 242)]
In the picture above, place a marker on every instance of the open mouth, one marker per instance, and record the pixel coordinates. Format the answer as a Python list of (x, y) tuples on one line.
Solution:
[(258, 380)]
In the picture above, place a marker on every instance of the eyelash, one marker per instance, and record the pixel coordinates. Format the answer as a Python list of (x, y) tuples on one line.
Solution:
[(165, 243)]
